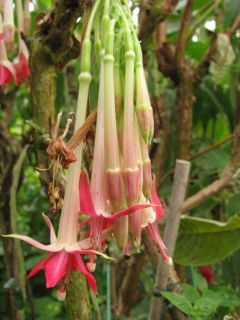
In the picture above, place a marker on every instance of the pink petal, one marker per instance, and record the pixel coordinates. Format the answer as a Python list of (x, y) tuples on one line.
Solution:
[(155, 236), (56, 268), (155, 200), (6, 76), (77, 261), (39, 266), (34, 243), (129, 210), (50, 226), (86, 203), (84, 222)]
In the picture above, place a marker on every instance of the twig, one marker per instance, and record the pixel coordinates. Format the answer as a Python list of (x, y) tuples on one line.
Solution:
[(203, 65), (197, 155), (181, 41), (234, 27), (227, 175), (170, 234), (208, 8)]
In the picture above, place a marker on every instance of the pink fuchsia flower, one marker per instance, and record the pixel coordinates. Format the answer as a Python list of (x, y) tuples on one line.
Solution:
[(131, 172), (113, 170), (152, 228), (87, 206), (22, 66), (143, 106), (7, 72), (63, 258), (107, 219)]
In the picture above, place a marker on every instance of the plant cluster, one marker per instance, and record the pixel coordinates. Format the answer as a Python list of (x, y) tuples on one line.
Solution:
[(121, 198)]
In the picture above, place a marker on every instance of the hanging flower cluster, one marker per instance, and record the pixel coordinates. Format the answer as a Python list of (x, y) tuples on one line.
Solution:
[(122, 192), (18, 70), (120, 199)]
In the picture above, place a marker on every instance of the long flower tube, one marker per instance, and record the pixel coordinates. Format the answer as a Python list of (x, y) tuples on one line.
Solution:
[(115, 187), (98, 181), (131, 174), (112, 155), (136, 218), (143, 104), (65, 249), (8, 23)]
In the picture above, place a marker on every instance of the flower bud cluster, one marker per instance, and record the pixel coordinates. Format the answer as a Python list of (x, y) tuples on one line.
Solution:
[(121, 178), (121, 199), (18, 70)]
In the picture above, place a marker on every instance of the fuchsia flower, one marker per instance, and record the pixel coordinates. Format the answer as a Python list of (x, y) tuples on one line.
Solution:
[(107, 219), (63, 258), (22, 66), (7, 72)]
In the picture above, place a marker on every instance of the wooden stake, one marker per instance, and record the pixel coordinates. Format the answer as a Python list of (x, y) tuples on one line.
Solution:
[(170, 234)]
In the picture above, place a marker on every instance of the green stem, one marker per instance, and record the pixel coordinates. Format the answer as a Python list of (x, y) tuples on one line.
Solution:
[(108, 283), (19, 269)]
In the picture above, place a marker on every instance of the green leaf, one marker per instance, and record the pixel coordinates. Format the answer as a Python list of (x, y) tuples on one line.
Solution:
[(204, 307), (231, 10), (48, 308), (190, 292), (199, 281), (226, 296), (203, 241), (233, 205), (178, 300)]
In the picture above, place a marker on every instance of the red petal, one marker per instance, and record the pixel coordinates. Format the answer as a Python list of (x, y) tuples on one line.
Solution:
[(51, 229), (77, 261), (155, 236), (86, 203), (84, 222), (155, 200), (6, 76), (39, 266), (56, 268), (24, 65), (34, 243), (129, 210)]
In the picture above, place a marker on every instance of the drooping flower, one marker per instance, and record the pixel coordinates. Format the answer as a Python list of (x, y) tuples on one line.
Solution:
[(63, 257), (22, 66), (143, 104), (7, 72), (152, 216), (131, 173)]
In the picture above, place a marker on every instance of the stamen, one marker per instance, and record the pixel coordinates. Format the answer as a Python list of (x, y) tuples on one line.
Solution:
[(55, 131), (69, 121)]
